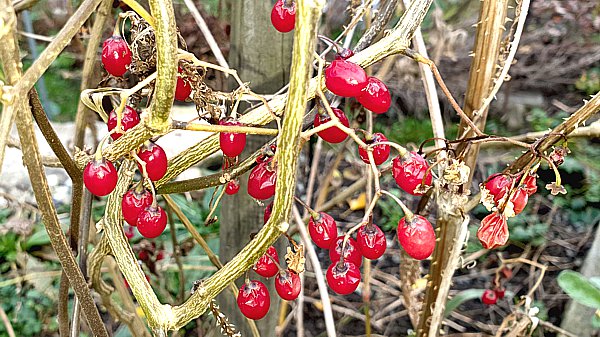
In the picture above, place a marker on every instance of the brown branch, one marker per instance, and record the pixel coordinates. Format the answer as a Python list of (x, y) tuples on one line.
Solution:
[(385, 14)]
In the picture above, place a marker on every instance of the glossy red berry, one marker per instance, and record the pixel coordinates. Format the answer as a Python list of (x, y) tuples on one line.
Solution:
[(352, 252), (152, 221), (254, 300), (500, 293), (156, 160), (288, 285), (343, 278), (371, 241), (498, 185), (232, 144), (232, 187), (283, 17), (183, 89), (408, 171), (416, 236), (380, 152), (530, 183), (133, 203), (100, 177), (322, 230), (268, 211), (262, 180), (345, 78), (332, 134), (116, 56), (265, 267), (130, 119), (375, 96), (519, 199), (489, 297)]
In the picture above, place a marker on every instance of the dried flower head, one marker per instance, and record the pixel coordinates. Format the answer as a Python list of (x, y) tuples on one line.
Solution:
[(295, 259)]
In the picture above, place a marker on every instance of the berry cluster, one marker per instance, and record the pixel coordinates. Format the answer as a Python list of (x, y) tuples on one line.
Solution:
[(254, 299), (491, 296), (505, 196)]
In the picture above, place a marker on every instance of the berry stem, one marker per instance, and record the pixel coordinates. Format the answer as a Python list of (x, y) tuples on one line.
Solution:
[(281, 270), (407, 213), (314, 214), (329, 41), (209, 217), (98, 153)]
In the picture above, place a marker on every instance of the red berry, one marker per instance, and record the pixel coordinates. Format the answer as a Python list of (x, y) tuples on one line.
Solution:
[(133, 203), (232, 144), (268, 211), (530, 183), (489, 297), (129, 120), (183, 89), (288, 285), (160, 255), (352, 252), (323, 230), (116, 55), (416, 237), (375, 96), (343, 278), (152, 221), (254, 300), (143, 255), (283, 17), (500, 293), (519, 199), (262, 180), (498, 185), (345, 78), (265, 267), (100, 177), (380, 152), (371, 241), (332, 134), (409, 171), (129, 232), (233, 186), (156, 160)]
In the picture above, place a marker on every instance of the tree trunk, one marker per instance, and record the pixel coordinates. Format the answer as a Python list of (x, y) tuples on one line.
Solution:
[(262, 57)]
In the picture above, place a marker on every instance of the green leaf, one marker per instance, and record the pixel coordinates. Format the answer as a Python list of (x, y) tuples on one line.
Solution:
[(579, 288), (595, 281), (462, 297)]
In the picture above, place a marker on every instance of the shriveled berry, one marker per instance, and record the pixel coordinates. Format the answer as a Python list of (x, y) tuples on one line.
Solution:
[(519, 199), (322, 230), (408, 171), (133, 203), (371, 241), (262, 180), (232, 144), (352, 252), (152, 221), (183, 88), (489, 297), (343, 278), (345, 78), (116, 56), (233, 186), (530, 183), (416, 236), (254, 300), (283, 17), (130, 119), (498, 185), (380, 152), (100, 177), (288, 285), (265, 266), (500, 293), (493, 231), (375, 96), (156, 160), (332, 134)]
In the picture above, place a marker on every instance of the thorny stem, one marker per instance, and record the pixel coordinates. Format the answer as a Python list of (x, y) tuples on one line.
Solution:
[(224, 128)]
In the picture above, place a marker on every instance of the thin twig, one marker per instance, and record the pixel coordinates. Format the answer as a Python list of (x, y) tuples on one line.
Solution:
[(7, 325)]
